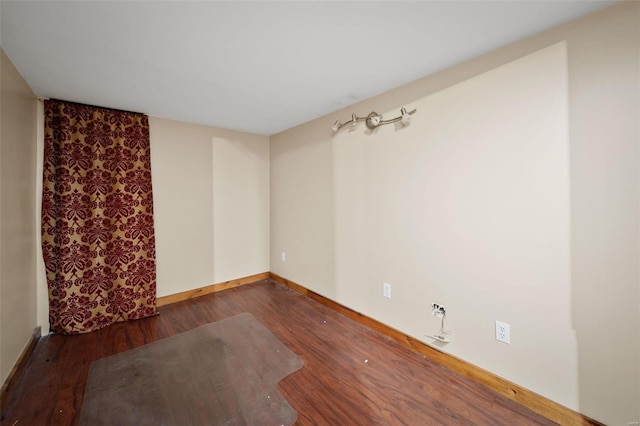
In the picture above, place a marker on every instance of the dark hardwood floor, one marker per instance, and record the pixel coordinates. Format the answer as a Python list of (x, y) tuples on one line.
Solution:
[(351, 375)]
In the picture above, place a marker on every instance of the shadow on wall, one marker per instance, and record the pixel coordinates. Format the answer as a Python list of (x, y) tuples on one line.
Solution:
[(302, 207), (604, 99), (455, 209)]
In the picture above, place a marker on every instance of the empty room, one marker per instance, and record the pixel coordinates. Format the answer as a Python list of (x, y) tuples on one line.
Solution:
[(320, 212)]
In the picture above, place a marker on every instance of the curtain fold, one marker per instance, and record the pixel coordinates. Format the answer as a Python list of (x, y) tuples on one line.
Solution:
[(98, 239)]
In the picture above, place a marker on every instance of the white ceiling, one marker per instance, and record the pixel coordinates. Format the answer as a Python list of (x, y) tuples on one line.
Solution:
[(259, 67)]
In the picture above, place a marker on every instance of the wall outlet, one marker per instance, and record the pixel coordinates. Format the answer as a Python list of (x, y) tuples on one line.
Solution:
[(632, 424), (438, 310), (283, 256), (386, 290), (503, 332)]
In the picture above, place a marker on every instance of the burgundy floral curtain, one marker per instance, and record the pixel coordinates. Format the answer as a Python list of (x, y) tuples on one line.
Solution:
[(97, 217)]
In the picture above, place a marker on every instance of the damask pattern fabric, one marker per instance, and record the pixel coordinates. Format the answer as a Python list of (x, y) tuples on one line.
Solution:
[(98, 240)]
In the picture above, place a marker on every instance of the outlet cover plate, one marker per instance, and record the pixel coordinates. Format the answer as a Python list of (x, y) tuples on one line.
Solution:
[(503, 332), (386, 290)]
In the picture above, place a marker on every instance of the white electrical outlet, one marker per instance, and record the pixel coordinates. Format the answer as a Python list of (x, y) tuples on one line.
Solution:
[(283, 256), (438, 310), (503, 332), (386, 290)]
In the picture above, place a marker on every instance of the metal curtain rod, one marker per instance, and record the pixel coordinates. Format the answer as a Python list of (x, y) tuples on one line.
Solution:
[(374, 119), (42, 99)]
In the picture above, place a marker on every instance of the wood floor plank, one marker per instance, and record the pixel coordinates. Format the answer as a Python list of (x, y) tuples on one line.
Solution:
[(352, 374)]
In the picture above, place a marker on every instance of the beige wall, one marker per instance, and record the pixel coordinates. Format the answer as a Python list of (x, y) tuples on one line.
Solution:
[(211, 204), (485, 205), (474, 181), (181, 166), (241, 206), (17, 198), (603, 88)]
